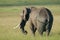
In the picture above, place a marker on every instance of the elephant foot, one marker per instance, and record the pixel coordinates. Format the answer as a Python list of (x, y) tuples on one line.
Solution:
[(47, 33)]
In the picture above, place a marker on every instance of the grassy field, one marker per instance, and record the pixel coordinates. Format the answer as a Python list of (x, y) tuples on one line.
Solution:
[(27, 2), (10, 17)]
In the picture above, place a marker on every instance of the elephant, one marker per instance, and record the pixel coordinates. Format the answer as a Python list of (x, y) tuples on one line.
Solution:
[(40, 19)]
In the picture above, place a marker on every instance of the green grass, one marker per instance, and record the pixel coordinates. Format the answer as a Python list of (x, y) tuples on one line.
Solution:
[(27, 2), (10, 17)]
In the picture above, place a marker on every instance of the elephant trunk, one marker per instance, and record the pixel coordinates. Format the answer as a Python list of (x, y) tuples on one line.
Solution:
[(22, 25)]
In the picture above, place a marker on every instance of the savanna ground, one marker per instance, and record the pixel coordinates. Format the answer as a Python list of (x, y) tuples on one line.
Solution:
[(10, 17)]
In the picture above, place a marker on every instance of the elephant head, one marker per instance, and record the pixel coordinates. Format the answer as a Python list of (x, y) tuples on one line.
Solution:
[(24, 17)]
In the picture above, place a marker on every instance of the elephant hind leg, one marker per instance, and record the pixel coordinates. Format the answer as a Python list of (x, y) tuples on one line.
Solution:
[(40, 30), (48, 29)]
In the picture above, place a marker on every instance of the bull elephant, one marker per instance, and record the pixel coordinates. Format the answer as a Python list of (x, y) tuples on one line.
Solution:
[(41, 19)]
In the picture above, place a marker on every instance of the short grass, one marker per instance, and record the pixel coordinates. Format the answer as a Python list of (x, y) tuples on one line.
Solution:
[(10, 17)]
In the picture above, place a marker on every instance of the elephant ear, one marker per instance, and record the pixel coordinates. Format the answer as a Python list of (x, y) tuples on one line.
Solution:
[(24, 11), (27, 13)]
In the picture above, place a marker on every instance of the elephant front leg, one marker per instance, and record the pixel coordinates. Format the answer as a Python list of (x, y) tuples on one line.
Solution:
[(33, 29)]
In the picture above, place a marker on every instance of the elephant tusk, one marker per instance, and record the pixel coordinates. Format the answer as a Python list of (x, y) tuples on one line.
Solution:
[(21, 14), (16, 26)]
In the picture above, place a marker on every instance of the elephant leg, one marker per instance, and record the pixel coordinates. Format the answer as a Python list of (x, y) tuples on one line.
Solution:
[(33, 28), (40, 30), (40, 27), (48, 28)]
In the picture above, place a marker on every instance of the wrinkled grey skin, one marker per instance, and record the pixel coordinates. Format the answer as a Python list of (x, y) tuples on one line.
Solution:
[(40, 19)]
